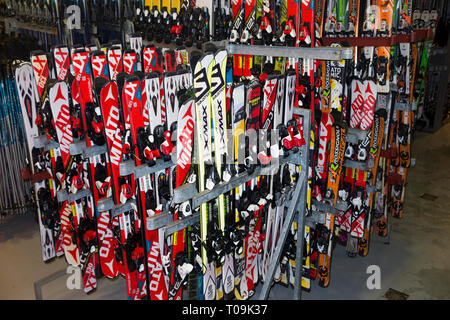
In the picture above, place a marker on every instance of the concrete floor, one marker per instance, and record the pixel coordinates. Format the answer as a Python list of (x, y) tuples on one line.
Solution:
[(416, 261)]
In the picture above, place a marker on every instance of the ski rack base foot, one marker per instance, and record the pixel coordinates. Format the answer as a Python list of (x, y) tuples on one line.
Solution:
[(38, 284)]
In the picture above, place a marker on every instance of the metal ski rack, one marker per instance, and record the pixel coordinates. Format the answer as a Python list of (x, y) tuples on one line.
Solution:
[(62, 195), (127, 167), (41, 141), (188, 192), (296, 204), (319, 53), (79, 147)]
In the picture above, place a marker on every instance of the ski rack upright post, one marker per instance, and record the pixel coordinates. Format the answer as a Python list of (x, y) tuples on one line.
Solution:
[(297, 206)]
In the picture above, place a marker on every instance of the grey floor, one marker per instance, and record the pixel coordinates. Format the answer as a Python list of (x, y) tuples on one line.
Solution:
[(416, 261)]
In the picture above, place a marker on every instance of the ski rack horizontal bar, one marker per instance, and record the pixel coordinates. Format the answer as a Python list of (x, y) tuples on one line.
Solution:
[(79, 147), (127, 167), (62, 195), (189, 191), (317, 217), (393, 40), (12, 24), (325, 206), (115, 209), (354, 164), (43, 141), (40, 141), (354, 135), (50, 145), (403, 106), (166, 219), (319, 53), (110, 27)]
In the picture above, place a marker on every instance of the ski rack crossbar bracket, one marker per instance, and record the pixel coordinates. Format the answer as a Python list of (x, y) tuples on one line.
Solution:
[(95, 151), (41, 141), (318, 53), (175, 226), (404, 106), (189, 191), (50, 145), (323, 206), (354, 164), (62, 195), (108, 205), (127, 167), (80, 147), (77, 147), (316, 218), (354, 135), (160, 220)]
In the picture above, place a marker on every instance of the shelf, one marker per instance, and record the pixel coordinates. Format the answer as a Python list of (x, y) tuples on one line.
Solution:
[(178, 225), (319, 53)]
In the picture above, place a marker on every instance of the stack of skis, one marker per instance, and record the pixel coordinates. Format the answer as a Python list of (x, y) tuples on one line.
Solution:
[(162, 21), (98, 119), (364, 110)]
